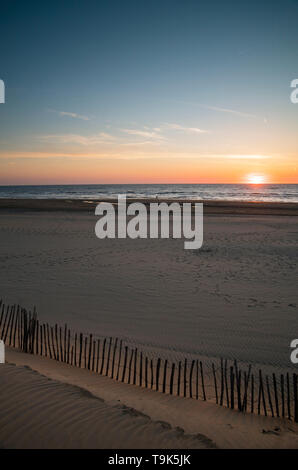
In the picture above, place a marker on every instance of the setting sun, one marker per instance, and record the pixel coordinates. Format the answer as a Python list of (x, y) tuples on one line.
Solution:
[(256, 179)]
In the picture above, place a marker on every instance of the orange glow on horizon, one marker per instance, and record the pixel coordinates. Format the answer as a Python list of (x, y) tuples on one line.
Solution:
[(137, 168)]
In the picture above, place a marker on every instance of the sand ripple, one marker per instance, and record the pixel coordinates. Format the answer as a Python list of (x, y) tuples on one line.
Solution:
[(38, 412)]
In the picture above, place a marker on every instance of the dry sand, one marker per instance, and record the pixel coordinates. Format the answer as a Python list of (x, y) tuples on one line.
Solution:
[(236, 297), (45, 404)]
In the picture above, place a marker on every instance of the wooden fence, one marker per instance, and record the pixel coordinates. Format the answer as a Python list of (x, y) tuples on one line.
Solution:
[(224, 383)]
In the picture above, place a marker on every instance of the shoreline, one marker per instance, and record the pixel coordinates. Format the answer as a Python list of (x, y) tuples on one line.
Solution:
[(183, 422), (210, 207)]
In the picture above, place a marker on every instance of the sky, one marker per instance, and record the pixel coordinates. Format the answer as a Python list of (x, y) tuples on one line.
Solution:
[(148, 91)]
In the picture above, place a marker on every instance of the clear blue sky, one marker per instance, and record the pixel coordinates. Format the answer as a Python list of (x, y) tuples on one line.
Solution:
[(135, 80)]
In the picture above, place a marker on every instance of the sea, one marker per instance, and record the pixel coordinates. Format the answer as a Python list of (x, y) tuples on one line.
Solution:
[(225, 192)]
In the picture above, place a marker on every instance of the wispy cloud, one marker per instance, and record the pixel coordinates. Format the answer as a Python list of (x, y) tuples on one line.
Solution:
[(69, 114), (128, 155), (74, 115), (101, 138), (139, 144), (152, 134), (221, 109), (57, 155), (228, 110), (239, 157), (189, 130)]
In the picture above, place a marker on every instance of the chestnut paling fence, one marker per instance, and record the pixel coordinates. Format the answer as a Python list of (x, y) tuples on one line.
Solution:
[(224, 383)]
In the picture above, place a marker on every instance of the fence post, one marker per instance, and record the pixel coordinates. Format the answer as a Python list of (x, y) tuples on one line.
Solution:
[(282, 395), (146, 372), (74, 362), (64, 349), (157, 373), (93, 356), (202, 376), (119, 360), (61, 345), (41, 340), (130, 365), (221, 382), (190, 378), (103, 355), (15, 327), (269, 396), (262, 392), (152, 376), (226, 383), (1, 318), (97, 358), (37, 338), (232, 386), (184, 381), (135, 367), (179, 378), (81, 347), (108, 358), (141, 370), (85, 352), (246, 384), (68, 346), (124, 365), (215, 383), (288, 396), (295, 398), (164, 377), (4, 323), (57, 343), (172, 378), (52, 337), (275, 395), (114, 355), (252, 394)]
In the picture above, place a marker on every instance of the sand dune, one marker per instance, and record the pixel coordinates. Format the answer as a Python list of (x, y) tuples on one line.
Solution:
[(45, 404), (38, 412)]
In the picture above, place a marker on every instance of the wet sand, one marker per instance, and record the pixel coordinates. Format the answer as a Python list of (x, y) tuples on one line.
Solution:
[(210, 207)]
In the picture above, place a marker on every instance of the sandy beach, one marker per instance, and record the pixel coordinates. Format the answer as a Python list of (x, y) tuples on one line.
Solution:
[(45, 404), (235, 298)]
